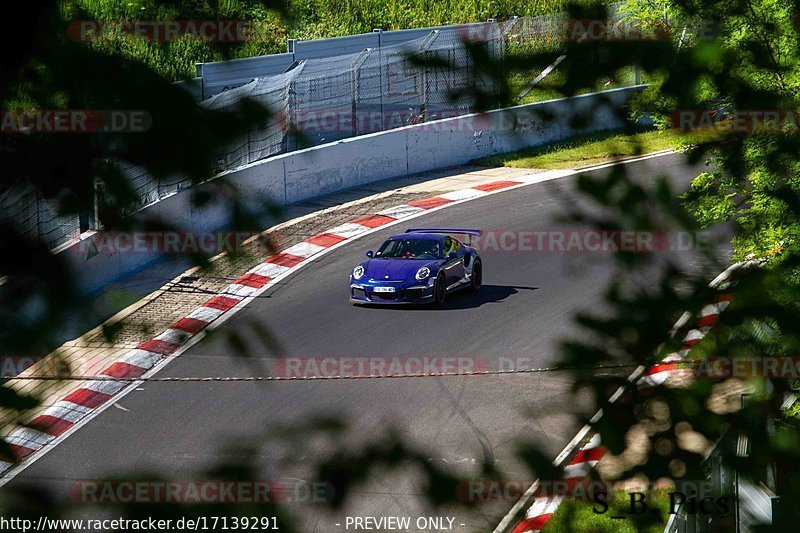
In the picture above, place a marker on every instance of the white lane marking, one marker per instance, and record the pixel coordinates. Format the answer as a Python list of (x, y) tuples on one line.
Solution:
[(593, 443), (578, 469), (676, 356), (539, 177), (66, 411), (695, 334), (174, 336), (141, 358), (105, 386), (304, 249), (462, 194), (401, 211), (349, 231), (30, 438), (269, 270), (714, 309), (234, 290), (544, 506), (652, 380), (205, 314)]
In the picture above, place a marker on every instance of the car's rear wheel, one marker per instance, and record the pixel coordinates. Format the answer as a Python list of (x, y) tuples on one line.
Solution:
[(477, 276), (439, 290)]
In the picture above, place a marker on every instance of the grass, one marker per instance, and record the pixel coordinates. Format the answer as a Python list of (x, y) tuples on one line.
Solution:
[(548, 88), (574, 515), (296, 19), (588, 150)]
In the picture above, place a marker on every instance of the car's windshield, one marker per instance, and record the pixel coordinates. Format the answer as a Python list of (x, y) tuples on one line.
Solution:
[(410, 249)]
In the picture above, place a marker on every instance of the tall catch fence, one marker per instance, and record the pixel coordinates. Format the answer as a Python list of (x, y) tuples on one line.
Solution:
[(324, 99)]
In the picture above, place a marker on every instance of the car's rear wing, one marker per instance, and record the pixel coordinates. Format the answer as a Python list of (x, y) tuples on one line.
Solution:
[(463, 231), (460, 231)]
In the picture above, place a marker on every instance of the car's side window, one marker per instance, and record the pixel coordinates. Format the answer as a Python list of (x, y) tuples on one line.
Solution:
[(451, 245)]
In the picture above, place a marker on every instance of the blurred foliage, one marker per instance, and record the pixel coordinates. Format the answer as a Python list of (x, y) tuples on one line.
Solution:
[(737, 56), (748, 63)]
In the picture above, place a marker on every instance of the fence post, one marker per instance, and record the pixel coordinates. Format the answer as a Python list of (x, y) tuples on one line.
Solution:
[(355, 71), (423, 106), (381, 66), (291, 107), (198, 71)]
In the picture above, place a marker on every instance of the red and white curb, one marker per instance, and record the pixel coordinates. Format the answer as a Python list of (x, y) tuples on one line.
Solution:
[(581, 464), (56, 422)]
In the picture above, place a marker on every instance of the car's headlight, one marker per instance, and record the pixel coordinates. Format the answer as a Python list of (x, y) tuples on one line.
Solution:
[(358, 272), (423, 273)]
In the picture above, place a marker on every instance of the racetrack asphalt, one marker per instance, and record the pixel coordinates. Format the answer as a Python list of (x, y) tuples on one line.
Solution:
[(525, 307)]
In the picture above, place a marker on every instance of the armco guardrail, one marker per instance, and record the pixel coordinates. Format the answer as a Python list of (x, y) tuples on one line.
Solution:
[(353, 162), (216, 77), (222, 75)]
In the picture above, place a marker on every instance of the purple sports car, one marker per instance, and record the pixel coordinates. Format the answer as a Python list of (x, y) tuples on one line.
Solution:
[(421, 265)]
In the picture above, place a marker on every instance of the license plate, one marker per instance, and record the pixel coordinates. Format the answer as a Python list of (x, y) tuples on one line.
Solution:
[(383, 289)]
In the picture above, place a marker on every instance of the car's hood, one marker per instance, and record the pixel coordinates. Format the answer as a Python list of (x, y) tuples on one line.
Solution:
[(395, 269)]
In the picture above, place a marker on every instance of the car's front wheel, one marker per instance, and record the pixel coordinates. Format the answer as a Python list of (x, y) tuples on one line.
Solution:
[(477, 276), (439, 290)]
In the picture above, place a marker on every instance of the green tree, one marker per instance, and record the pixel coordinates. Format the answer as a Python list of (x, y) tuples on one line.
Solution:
[(748, 62)]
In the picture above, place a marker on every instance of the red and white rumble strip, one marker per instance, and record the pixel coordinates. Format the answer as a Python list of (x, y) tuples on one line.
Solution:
[(57, 419), (581, 464)]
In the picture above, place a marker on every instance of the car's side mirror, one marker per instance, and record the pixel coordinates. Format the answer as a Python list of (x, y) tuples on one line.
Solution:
[(452, 255), (369, 254)]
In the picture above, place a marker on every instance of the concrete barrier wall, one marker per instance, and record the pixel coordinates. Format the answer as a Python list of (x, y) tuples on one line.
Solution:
[(353, 162)]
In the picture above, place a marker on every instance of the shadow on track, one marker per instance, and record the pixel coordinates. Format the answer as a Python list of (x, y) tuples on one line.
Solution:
[(463, 299)]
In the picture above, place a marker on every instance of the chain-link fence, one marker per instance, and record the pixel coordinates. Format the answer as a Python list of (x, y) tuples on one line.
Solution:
[(36, 217), (323, 100)]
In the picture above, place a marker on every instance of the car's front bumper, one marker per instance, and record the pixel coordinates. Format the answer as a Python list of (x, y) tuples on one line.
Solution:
[(365, 293)]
